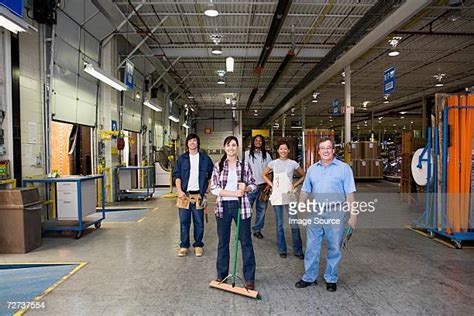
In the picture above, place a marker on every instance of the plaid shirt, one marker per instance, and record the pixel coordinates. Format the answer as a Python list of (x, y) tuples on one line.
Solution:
[(219, 181)]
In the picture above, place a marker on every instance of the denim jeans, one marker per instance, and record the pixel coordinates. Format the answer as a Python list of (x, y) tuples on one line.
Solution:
[(223, 232), (260, 209), (185, 223), (315, 234), (280, 211)]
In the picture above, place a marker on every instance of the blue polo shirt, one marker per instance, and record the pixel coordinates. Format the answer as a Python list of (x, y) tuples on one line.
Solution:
[(332, 182)]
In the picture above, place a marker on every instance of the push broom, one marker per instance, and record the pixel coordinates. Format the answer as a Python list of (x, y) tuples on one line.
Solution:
[(222, 285)]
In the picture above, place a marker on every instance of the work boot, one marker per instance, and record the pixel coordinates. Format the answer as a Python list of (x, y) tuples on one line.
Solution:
[(198, 251), (182, 252)]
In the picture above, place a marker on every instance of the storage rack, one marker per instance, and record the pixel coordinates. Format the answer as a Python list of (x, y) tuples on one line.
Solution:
[(125, 193)]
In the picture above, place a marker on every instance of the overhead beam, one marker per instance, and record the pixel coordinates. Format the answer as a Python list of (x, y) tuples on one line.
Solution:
[(396, 19), (236, 52)]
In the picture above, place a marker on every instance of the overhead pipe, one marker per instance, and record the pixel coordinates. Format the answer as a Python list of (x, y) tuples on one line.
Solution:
[(356, 41), (288, 58), (279, 17)]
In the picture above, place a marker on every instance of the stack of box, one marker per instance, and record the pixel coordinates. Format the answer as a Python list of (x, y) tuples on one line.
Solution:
[(365, 160)]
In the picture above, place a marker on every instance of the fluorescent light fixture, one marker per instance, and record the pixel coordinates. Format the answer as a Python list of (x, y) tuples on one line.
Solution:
[(185, 125), (439, 84), (386, 101), (403, 112), (152, 105), (190, 97), (174, 118), (402, 117), (227, 100), (315, 101), (98, 73), (297, 127), (216, 50), (343, 82), (10, 25), (211, 11), (229, 64), (221, 81), (137, 95)]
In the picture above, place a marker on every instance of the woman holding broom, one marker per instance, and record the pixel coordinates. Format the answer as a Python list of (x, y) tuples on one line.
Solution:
[(231, 182)]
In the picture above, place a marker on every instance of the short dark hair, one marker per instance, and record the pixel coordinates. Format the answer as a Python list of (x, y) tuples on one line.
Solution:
[(283, 142), (325, 139), (193, 136)]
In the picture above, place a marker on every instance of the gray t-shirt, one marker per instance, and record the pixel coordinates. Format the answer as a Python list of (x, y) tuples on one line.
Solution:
[(257, 165), (289, 166)]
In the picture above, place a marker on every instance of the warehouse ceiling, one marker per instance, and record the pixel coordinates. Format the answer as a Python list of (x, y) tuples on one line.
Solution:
[(438, 40)]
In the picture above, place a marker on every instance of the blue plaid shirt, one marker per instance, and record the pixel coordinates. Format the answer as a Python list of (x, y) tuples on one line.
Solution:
[(219, 181)]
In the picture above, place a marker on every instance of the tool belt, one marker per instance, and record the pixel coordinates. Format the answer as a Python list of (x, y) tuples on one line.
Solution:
[(263, 196), (196, 199)]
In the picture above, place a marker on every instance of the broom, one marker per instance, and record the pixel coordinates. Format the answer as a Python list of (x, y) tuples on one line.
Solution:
[(231, 287)]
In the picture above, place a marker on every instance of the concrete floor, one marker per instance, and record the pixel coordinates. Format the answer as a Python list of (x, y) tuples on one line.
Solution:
[(133, 269)]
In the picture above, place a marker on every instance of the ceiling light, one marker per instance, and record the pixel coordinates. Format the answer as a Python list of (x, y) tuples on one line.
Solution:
[(137, 95), (216, 50), (220, 73), (402, 117), (343, 82), (297, 127), (190, 97), (152, 105), (393, 43), (229, 64), (227, 100), (210, 10), (403, 112), (221, 81), (192, 109), (386, 101), (234, 102), (98, 73), (365, 103), (393, 52), (10, 25), (315, 95), (174, 118), (411, 122), (439, 77), (439, 84), (185, 125), (314, 101), (380, 117)]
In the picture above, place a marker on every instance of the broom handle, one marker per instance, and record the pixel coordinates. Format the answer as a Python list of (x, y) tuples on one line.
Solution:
[(236, 243)]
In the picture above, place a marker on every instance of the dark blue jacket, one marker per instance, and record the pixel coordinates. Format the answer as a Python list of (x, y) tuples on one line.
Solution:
[(182, 170)]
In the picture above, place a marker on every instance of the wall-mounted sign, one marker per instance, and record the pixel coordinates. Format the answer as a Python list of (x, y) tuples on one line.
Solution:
[(263, 132), (128, 74), (15, 6), (335, 106), (389, 80)]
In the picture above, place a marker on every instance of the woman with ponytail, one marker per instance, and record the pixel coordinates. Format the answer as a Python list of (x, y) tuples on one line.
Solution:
[(226, 184)]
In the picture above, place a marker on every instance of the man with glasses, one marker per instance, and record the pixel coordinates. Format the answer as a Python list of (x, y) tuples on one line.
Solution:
[(330, 183)]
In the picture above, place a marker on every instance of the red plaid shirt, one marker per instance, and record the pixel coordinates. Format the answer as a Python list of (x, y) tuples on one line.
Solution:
[(219, 181)]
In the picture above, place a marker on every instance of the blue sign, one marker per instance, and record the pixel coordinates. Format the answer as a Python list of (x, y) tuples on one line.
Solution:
[(389, 80), (16, 6), (114, 128), (335, 106), (128, 74)]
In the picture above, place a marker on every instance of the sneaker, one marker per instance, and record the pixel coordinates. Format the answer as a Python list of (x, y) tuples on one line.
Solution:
[(258, 235), (302, 284), (300, 256), (182, 252), (331, 287), (282, 255), (198, 251)]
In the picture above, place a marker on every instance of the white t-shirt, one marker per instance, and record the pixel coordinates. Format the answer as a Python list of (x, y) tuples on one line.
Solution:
[(288, 165), (231, 184), (193, 183), (257, 165)]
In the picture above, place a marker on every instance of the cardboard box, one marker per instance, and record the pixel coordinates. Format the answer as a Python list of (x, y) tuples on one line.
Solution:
[(356, 151)]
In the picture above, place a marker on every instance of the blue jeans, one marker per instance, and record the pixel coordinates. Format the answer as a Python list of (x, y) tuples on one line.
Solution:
[(245, 236), (185, 223), (280, 210), (315, 233), (260, 208)]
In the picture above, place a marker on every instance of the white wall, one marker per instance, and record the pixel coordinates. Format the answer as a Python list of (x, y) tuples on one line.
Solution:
[(32, 133)]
